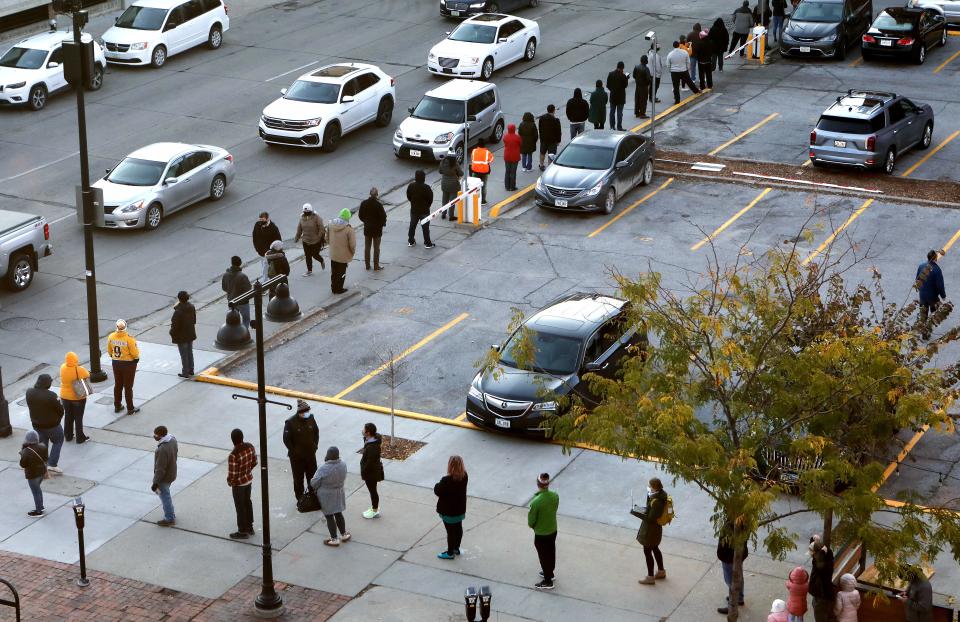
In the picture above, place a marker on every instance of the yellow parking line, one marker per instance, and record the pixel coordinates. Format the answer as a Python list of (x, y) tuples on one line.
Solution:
[(931, 153), (462, 416), (769, 118), (405, 353), (856, 62), (731, 220), (948, 245), (662, 114), (495, 210), (629, 209), (947, 62), (807, 163), (901, 456), (839, 230)]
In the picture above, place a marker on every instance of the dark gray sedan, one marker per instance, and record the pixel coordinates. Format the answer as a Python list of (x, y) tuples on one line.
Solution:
[(594, 169)]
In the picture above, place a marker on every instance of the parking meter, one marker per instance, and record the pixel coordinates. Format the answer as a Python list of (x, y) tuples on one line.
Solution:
[(78, 508), (485, 598), (470, 600)]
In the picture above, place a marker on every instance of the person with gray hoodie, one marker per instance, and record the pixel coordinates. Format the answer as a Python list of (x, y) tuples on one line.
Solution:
[(328, 483), (33, 459), (164, 472)]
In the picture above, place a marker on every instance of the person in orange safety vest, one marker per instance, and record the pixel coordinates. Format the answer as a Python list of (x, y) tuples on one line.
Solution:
[(480, 161)]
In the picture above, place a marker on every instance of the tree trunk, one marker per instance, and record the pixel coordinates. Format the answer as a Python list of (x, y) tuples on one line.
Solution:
[(736, 585), (827, 528), (393, 433)]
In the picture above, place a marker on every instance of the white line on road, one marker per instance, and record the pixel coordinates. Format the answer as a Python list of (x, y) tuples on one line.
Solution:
[(37, 168), (291, 71), (73, 215)]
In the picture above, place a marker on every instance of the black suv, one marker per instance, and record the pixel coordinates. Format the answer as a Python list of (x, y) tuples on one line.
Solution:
[(904, 33), (469, 8), (825, 28), (573, 335)]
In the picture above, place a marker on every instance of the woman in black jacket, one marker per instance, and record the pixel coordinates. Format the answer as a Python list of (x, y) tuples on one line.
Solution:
[(451, 493), (33, 459), (721, 40), (371, 467), (450, 176), (529, 135)]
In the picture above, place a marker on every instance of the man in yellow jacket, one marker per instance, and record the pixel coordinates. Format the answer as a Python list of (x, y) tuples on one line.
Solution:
[(125, 355)]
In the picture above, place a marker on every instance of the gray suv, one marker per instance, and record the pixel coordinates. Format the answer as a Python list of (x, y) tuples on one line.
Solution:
[(870, 129)]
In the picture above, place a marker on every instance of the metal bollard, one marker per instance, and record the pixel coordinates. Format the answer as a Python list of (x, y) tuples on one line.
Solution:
[(283, 308), (233, 335)]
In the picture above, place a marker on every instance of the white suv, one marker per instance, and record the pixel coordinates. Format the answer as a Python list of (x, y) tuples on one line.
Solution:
[(323, 105), (150, 31), (33, 69)]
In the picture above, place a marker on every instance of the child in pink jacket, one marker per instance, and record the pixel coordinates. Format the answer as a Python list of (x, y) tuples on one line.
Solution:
[(848, 599), (778, 611), (797, 585)]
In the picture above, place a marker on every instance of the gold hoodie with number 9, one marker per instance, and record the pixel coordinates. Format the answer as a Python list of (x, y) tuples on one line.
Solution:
[(122, 346)]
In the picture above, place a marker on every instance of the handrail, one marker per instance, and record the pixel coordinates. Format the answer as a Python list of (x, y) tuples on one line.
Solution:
[(15, 603)]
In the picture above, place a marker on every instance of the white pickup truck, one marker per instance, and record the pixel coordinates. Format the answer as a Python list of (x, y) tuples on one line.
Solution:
[(24, 238)]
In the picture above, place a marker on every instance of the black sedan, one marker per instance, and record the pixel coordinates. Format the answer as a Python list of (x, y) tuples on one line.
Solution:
[(905, 33), (469, 8)]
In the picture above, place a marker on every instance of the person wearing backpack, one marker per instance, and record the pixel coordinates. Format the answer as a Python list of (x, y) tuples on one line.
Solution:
[(651, 530)]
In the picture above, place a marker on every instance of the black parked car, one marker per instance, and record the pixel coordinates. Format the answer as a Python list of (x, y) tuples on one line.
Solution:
[(574, 335), (825, 28), (904, 33), (468, 8)]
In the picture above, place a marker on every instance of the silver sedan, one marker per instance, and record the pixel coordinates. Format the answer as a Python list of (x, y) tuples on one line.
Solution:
[(161, 178)]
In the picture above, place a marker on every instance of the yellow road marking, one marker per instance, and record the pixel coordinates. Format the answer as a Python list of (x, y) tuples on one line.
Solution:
[(495, 210), (946, 247), (931, 153), (731, 220), (901, 457), (665, 112), (807, 163), (629, 209), (756, 126), (462, 416), (405, 353), (839, 230), (947, 62), (856, 62)]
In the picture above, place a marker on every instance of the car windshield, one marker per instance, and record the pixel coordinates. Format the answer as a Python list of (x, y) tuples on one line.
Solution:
[(136, 172), (316, 92), (142, 18), (593, 157), (842, 125), (552, 354), (23, 58), (830, 12), (885, 21), (474, 33), (443, 110)]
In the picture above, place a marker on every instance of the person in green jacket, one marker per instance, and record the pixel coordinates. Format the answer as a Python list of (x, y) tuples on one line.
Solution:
[(598, 106), (651, 532), (542, 518)]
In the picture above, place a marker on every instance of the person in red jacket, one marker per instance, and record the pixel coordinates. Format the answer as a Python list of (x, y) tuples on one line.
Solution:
[(511, 157)]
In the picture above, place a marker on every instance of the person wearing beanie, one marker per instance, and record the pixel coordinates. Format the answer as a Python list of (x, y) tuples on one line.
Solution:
[(72, 376), (420, 196), (33, 460), (311, 231), (301, 437), (240, 465), (234, 283), (371, 467), (343, 246), (374, 219), (164, 473), (46, 413), (265, 232), (328, 484), (798, 584), (183, 332), (578, 111), (542, 519), (778, 612), (124, 356), (451, 493), (511, 157)]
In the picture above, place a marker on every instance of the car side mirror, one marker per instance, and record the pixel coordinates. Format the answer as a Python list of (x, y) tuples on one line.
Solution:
[(550, 158), (283, 91), (116, 20), (346, 99), (495, 347), (108, 171), (472, 118), (851, 19), (622, 164), (53, 64), (593, 367), (447, 33), (170, 26), (502, 40), (410, 109), (169, 181)]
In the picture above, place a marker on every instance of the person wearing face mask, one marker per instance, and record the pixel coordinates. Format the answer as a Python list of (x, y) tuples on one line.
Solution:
[(651, 532), (301, 437), (265, 232)]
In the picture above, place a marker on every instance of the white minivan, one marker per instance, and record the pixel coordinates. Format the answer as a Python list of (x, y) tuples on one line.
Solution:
[(150, 31)]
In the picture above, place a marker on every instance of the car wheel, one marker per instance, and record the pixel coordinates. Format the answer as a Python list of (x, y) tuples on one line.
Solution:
[(943, 38), (38, 97), (159, 56), (497, 134), (646, 175), (154, 216), (96, 80), (20, 273), (384, 112), (531, 50), (927, 137), (493, 7), (841, 52), (890, 162), (331, 137), (921, 54), (215, 38), (217, 187), (487, 69), (458, 153), (610, 201)]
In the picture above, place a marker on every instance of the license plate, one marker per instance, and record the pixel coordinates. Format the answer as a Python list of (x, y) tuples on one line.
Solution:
[(839, 143), (415, 153), (455, 13), (804, 49), (886, 43), (446, 70), (560, 203), (501, 423)]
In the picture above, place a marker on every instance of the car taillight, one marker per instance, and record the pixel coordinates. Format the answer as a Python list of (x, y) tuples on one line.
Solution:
[(869, 39), (228, 158), (46, 231), (871, 143), (226, 9), (905, 41), (393, 81), (813, 137)]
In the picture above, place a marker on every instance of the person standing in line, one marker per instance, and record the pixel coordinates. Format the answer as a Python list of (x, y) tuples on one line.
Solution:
[(725, 554), (642, 83), (277, 264), (234, 283), (301, 437), (74, 403), (598, 106), (742, 23), (124, 356), (240, 465), (617, 85), (779, 8), (778, 612), (686, 47), (46, 414), (548, 126), (528, 141), (265, 233), (918, 598), (451, 493), (930, 285), (721, 39), (371, 467), (165, 472), (692, 37), (821, 579), (343, 246), (33, 460), (374, 219), (480, 160), (183, 332), (656, 70), (451, 178), (848, 599), (311, 230), (542, 518), (578, 111), (651, 531), (797, 584), (703, 54), (511, 157), (679, 63), (328, 484), (420, 196)]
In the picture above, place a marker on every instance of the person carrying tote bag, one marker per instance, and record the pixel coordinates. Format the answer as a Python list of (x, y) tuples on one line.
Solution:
[(74, 389)]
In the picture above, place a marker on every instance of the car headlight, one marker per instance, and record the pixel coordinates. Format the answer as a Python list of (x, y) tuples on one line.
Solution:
[(477, 5), (592, 192), (139, 46), (541, 406), (313, 122), (474, 60), (398, 134), (431, 56), (475, 393), (18, 85), (133, 207), (539, 184), (443, 139), (830, 37)]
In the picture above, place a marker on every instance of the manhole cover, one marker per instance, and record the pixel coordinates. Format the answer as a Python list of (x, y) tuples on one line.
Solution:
[(19, 323)]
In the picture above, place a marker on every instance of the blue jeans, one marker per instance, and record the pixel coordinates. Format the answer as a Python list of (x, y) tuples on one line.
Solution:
[(526, 160), (693, 69), (164, 491), (244, 314), (776, 25), (186, 357), (576, 128), (37, 493), (616, 112), (728, 579), (55, 436)]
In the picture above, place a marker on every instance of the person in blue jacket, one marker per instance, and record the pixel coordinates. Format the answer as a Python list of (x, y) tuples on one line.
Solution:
[(930, 286)]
